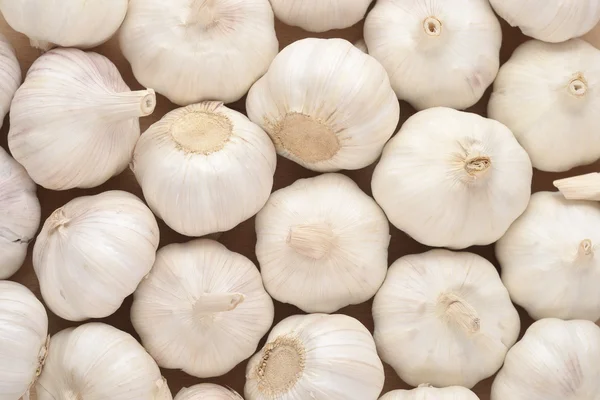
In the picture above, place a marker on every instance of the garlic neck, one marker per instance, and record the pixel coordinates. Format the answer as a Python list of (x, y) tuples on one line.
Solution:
[(585, 249), (477, 166), (457, 311), (212, 303), (281, 366), (578, 86), (432, 26), (311, 240), (202, 13), (127, 105), (201, 131), (57, 221)]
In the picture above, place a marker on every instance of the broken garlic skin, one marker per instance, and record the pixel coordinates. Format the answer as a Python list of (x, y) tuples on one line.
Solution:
[(436, 52), (453, 301), (555, 360), (427, 392), (320, 15), (207, 391), (10, 76)]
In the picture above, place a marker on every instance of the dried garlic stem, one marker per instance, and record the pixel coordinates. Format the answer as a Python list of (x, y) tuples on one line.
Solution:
[(126, 105), (432, 26), (460, 312), (311, 240), (477, 165), (211, 303), (581, 187), (586, 248)]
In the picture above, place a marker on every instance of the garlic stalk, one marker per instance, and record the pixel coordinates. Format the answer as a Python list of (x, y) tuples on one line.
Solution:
[(93, 252), (74, 122), (332, 357), (10, 76), (326, 105), (445, 318), (207, 391), (322, 244), (581, 187), (428, 392)]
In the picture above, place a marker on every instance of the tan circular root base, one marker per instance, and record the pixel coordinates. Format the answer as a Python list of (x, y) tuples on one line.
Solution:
[(202, 132), (281, 366)]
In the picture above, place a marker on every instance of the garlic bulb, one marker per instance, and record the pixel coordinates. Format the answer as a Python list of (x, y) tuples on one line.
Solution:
[(449, 301), (196, 50), (66, 23), (83, 256), (452, 179), (546, 94), (202, 308), (205, 168), (19, 214), (23, 339), (550, 20), (207, 391), (97, 361), (326, 105), (320, 15), (322, 244), (427, 392), (554, 242), (437, 53), (10, 75), (74, 122), (316, 356), (581, 187), (555, 360)]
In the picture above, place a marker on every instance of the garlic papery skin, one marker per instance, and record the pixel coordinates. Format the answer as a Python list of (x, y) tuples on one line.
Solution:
[(555, 360), (93, 252), (547, 94), (316, 356), (322, 244), (326, 105), (205, 168), (207, 391), (197, 50), (445, 318), (549, 258), (453, 179), (581, 187), (10, 76), (23, 339), (428, 392), (19, 214), (202, 309), (74, 122), (97, 361), (437, 53), (320, 15)]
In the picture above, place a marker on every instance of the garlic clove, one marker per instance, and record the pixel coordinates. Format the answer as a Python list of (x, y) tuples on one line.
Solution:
[(207, 391), (582, 187), (10, 76), (428, 392)]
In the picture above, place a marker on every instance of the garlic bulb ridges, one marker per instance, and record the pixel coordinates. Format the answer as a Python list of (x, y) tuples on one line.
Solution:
[(10, 76), (207, 391), (581, 187), (428, 392)]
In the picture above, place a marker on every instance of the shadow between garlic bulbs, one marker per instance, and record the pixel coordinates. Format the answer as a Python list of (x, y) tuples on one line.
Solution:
[(427, 392)]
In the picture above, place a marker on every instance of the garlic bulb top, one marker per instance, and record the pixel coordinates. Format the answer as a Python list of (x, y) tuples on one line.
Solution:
[(326, 105), (554, 242), (93, 252), (74, 122), (453, 179), (437, 53), (202, 309), (97, 361), (320, 15), (322, 244), (555, 360), (207, 391), (444, 300), (428, 392), (196, 50), (19, 214), (205, 168), (23, 337), (10, 76), (332, 357)]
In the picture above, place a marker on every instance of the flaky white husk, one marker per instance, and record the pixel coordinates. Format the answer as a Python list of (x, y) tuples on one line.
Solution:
[(23, 336), (196, 50), (444, 318), (550, 20), (74, 122), (93, 252), (427, 392), (555, 360), (97, 361), (19, 214), (10, 76), (320, 15), (198, 191), (202, 309), (436, 52), (334, 358), (322, 244), (547, 94), (549, 258), (207, 391), (453, 179), (326, 105)]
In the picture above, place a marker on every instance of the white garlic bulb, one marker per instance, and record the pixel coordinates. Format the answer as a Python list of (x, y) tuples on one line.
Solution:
[(326, 105), (445, 318), (97, 361), (196, 50), (546, 94), (205, 168), (74, 122), (428, 392), (93, 252), (10, 76), (202, 309), (322, 244), (555, 360), (19, 214), (66, 23), (549, 258), (550, 20), (320, 15), (316, 356), (453, 179), (23, 339), (437, 53), (207, 391), (580, 187)]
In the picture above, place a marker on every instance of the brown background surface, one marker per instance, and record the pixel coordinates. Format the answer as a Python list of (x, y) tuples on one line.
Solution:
[(242, 239)]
